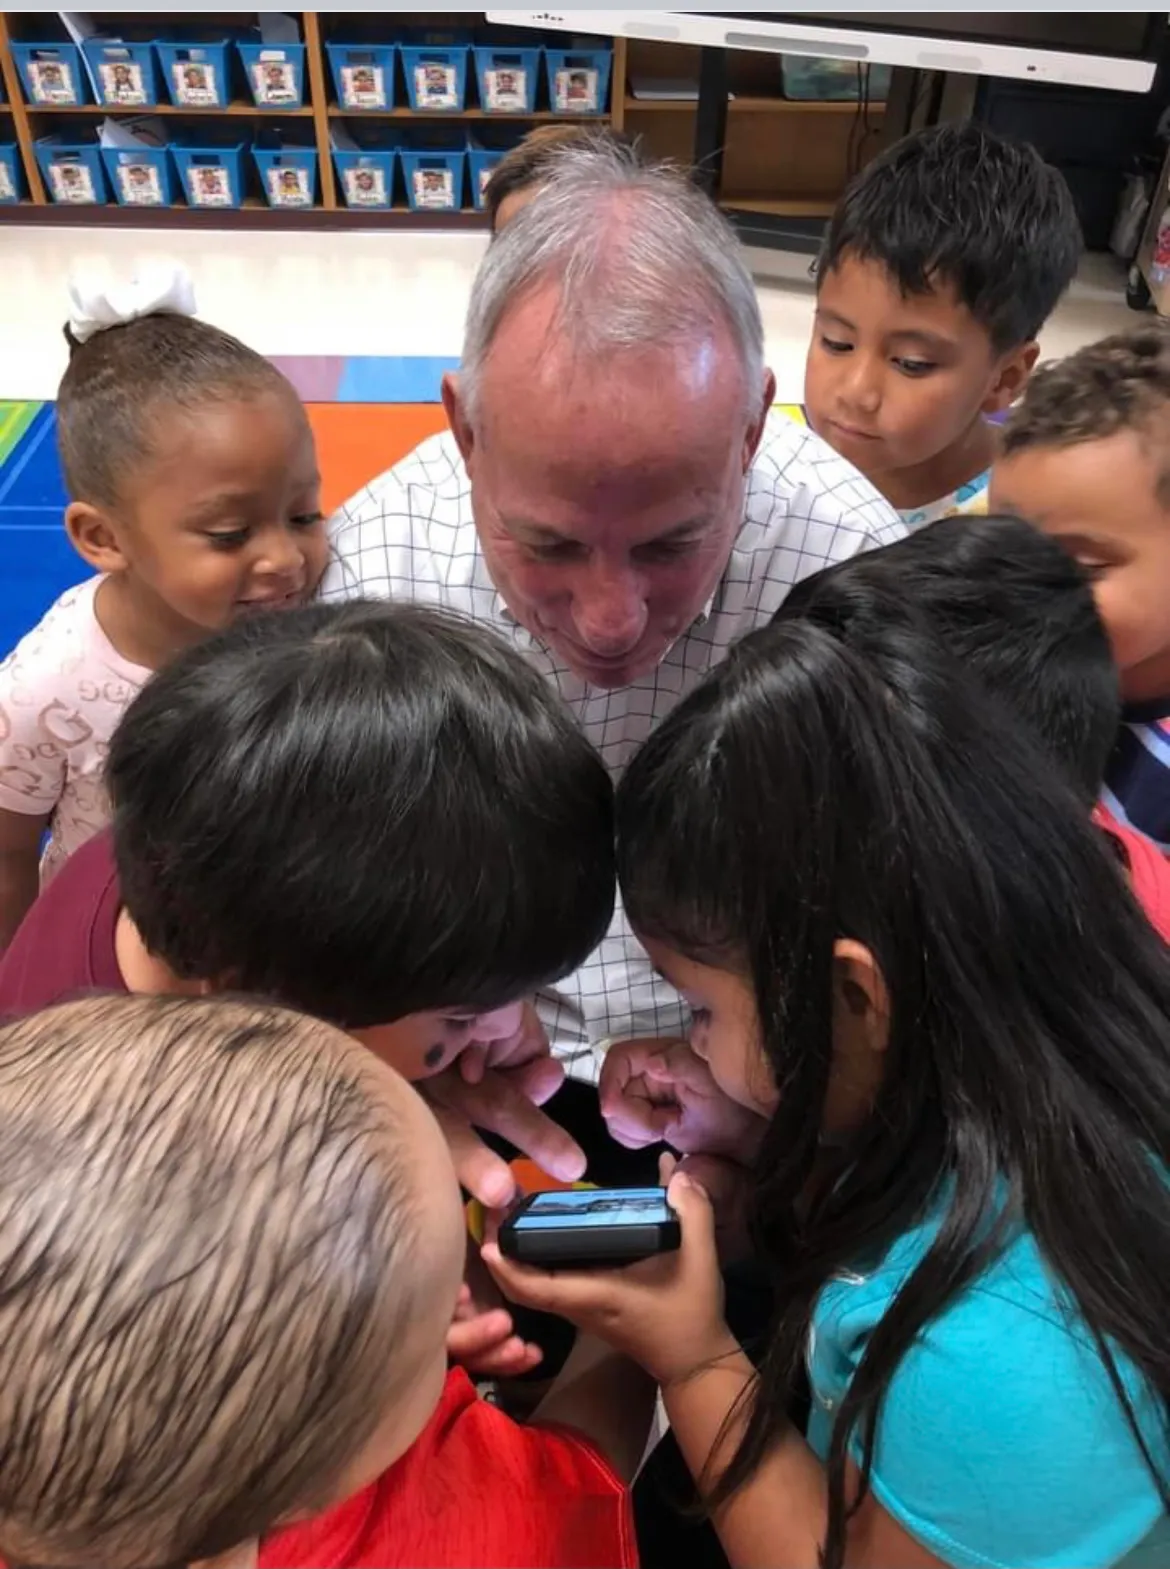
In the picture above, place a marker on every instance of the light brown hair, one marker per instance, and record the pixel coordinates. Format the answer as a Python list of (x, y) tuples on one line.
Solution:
[(206, 1240)]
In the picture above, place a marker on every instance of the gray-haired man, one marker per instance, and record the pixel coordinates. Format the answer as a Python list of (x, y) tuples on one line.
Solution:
[(614, 495)]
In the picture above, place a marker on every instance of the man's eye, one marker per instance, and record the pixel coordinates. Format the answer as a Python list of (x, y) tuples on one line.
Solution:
[(664, 550)]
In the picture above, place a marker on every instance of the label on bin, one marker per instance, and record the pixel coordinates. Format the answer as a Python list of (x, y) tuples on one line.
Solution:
[(210, 187), (7, 189), (365, 188), (71, 182), (289, 187), (436, 86), (576, 90), (140, 185), (122, 82), (274, 82), (51, 82), (433, 188), (194, 84), (505, 88), (363, 87)]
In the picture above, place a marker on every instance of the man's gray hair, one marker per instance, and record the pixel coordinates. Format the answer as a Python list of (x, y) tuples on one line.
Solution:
[(643, 258)]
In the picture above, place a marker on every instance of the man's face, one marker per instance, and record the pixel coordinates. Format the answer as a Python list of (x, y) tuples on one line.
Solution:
[(607, 499)]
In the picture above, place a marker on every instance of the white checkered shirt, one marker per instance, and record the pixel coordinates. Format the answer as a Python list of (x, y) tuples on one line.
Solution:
[(410, 534)]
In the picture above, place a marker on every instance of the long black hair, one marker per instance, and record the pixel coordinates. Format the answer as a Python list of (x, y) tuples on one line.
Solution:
[(810, 791)]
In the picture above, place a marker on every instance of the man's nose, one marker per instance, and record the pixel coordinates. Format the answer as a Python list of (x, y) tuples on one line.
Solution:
[(610, 611)]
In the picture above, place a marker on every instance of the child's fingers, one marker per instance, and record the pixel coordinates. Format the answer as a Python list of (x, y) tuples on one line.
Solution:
[(481, 1172), (667, 1166), (472, 1062), (473, 1337), (692, 1204)]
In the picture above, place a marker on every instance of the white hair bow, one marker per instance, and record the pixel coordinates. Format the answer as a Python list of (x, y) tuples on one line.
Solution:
[(160, 288)]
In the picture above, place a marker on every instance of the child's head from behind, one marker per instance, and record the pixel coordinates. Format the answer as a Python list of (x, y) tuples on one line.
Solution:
[(230, 1242), (941, 263), (1011, 606), (1083, 458), (524, 168), (378, 813), (191, 471)]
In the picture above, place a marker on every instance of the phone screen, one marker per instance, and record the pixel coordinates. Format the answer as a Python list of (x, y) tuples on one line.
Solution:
[(596, 1207)]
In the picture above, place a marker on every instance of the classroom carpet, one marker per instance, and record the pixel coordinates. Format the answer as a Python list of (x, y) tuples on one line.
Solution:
[(366, 411)]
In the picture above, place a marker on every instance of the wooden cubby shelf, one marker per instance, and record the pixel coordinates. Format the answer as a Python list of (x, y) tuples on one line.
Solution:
[(780, 158)]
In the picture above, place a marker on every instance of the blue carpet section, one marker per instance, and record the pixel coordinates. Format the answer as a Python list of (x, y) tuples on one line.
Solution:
[(37, 562), (369, 379)]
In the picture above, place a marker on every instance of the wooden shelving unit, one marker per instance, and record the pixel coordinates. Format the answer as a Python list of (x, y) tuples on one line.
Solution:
[(765, 157), (29, 121)]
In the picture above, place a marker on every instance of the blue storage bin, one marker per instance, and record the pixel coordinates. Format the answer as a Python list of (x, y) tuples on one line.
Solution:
[(126, 73), (276, 74), (71, 163), (363, 75), (140, 176), (578, 77), (506, 76), (210, 166), (197, 75), (288, 173), (433, 162), (435, 67), (51, 73), (366, 177), (11, 174), (484, 150)]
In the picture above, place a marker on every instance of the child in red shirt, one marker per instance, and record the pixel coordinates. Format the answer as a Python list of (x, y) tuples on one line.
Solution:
[(231, 1241)]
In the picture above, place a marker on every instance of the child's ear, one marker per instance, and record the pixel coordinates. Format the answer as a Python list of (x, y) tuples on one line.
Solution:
[(861, 1031), (861, 1001), (1011, 378), (93, 537)]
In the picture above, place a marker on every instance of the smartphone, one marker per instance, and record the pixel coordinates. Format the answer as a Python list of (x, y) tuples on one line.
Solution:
[(584, 1228)]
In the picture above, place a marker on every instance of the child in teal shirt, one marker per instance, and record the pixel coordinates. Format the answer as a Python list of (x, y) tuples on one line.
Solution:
[(907, 950)]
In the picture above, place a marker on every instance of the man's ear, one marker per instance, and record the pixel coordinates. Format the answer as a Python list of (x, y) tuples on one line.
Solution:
[(456, 411), (755, 433), (1011, 378), (94, 537)]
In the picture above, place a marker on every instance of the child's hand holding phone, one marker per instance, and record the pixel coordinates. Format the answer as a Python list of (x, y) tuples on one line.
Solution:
[(665, 1312)]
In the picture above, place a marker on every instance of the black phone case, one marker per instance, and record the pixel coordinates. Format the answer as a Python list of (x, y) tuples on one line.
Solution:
[(571, 1247)]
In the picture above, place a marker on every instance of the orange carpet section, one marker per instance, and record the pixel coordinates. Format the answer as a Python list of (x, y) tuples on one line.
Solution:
[(356, 441)]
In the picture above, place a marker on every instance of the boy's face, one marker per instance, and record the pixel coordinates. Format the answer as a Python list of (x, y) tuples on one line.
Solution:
[(1100, 500), (893, 381), (423, 1044)]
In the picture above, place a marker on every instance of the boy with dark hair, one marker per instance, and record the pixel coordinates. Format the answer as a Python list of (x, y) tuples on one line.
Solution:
[(377, 813), (1084, 459), (1015, 608), (942, 261), (230, 1240)]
